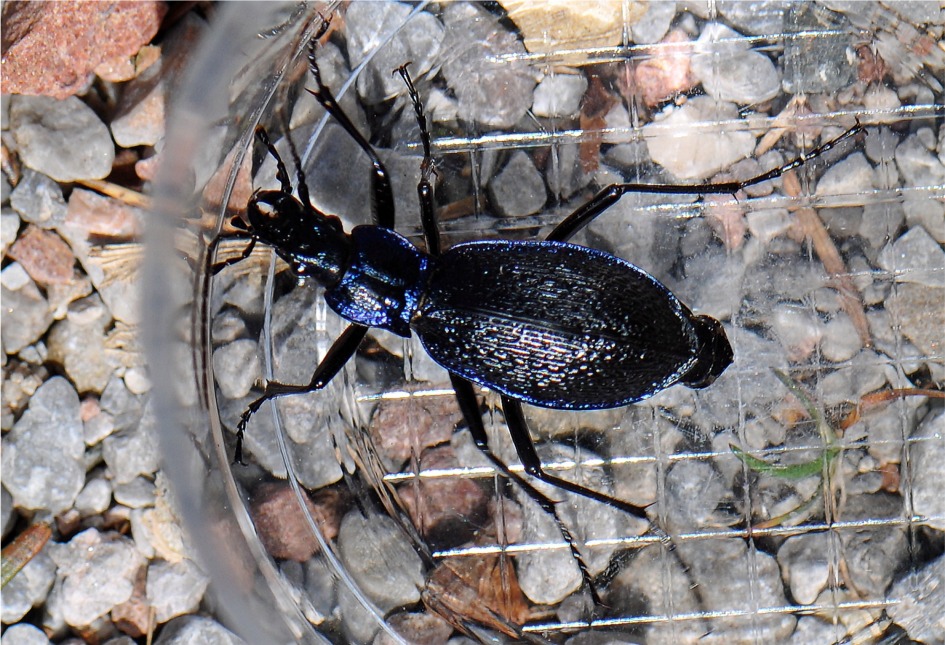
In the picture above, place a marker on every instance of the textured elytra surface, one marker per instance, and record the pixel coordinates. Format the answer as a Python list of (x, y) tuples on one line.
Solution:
[(555, 325)]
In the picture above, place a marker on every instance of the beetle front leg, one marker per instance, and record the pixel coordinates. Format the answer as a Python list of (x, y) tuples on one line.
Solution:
[(338, 354)]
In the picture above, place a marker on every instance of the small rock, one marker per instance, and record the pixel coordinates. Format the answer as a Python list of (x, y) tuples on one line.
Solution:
[(100, 216), (927, 447), (185, 630), (840, 341), (917, 602), (915, 257), (407, 426), (445, 510), (519, 189), (44, 255), (698, 154), (52, 48), (719, 565), (24, 634), (94, 498), (759, 17), (381, 559), (417, 39), (851, 176), (283, 527), (133, 452), (486, 68), (26, 315), (9, 228), (133, 616), (817, 64), (138, 493), (421, 628), (38, 200), (175, 589), (730, 70), (927, 213), (43, 455), (805, 565), (561, 24), (236, 367), (97, 572), (27, 589), (63, 139), (918, 163), (666, 73), (78, 344), (654, 24), (559, 95)]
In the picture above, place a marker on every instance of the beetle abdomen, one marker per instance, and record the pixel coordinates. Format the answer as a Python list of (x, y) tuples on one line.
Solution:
[(554, 324)]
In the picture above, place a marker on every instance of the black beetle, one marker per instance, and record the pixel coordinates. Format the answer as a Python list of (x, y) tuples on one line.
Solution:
[(547, 323)]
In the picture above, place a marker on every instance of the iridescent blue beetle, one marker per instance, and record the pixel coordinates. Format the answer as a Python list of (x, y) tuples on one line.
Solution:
[(546, 323)]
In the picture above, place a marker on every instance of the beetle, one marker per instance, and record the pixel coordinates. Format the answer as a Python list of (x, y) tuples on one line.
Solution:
[(546, 323)]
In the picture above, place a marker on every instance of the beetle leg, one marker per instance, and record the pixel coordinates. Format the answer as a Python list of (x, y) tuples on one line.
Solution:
[(518, 429), (219, 266), (382, 200), (431, 232), (469, 406), (338, 354), (609, 195)]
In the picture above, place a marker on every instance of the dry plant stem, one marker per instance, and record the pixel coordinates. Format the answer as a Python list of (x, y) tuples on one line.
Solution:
[(24, 548), (826, 250), (122, 194)]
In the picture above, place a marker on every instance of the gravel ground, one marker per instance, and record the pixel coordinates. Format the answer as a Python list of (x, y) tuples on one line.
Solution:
[(82, 140)]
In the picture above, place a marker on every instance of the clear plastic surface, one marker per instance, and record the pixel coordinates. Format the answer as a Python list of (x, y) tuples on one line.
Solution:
[(792, 497)]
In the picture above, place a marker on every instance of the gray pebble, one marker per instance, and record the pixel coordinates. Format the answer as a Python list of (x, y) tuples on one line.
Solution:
[(133, 452), (7, 514), (655, 22), (918, 163), (761, 17), (818, 64), (486, 67), (26, 315), (138, 493), (236, 368), (38, 199), (916, 258), (917, 602), (805, 565), (840, 341), (927, 213), (874, 553), (733, 72), (698, 154), (27, 589), (94, 498), (927, 451), (121, 404), (719, 565), (78, 344), (368, 26), (186, 630), (546, 576), (518, 189), (9, 227), (43, 454), (96, 574), (851, 176), (565, 174), (693, 490), (559, 95), (174, 589), (24, 634), (63, 139), (381, 559)]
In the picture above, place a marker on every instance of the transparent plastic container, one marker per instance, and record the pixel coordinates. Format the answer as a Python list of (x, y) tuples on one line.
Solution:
[(829, 287)]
